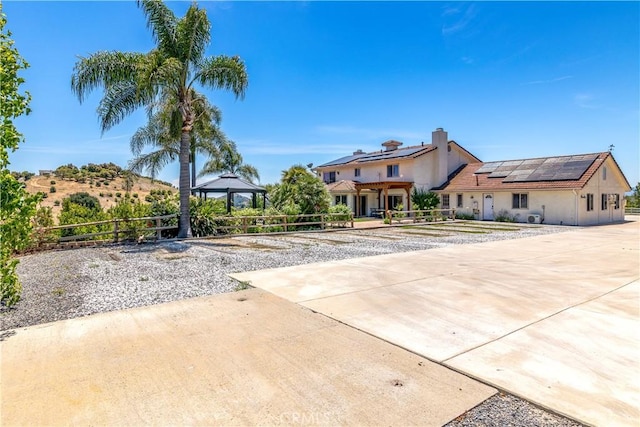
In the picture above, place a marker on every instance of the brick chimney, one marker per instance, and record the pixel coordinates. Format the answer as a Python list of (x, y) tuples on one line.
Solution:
[(440, 140)]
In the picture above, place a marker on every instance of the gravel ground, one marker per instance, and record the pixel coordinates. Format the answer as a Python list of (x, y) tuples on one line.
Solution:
[(72, 283)]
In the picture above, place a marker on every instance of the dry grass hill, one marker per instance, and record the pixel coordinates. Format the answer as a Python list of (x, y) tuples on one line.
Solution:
[(106, 193)]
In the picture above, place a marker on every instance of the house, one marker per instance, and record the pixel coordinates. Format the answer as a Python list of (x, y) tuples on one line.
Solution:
[(583, 189), (381, 180)]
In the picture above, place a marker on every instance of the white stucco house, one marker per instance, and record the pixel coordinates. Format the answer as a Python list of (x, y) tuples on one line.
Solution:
[(381, 180), (582, 189)]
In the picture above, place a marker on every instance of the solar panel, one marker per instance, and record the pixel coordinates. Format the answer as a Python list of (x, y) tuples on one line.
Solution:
[(393, 154), (342, 160), (565, 168), (489, 167)]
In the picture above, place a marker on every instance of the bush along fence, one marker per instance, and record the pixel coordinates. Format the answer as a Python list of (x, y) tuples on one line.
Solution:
[(430, 215), (166, 226)]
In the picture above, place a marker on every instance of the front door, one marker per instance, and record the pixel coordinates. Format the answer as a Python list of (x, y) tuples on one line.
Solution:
[(363, 206), (487, 207)]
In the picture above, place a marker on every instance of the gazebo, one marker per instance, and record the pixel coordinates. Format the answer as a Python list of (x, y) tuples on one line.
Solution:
[(230, 184)]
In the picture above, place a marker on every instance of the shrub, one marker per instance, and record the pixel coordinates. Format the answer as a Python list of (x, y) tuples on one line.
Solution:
[(43, 219), (135, 195), (52, 182), (105, 182), (109, 194), (52, 189), (465, 216), (423, 200), (73, 213), (84, 199), (118, 194), (504, 215), (98, 184), (56, 203), (126, 209), (203, 215)]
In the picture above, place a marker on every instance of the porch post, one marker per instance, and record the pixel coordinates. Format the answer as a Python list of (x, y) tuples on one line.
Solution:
[(358, 213), (386, 198)]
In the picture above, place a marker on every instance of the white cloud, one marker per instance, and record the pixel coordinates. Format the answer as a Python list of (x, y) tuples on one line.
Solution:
[(585, 100), (537, 82), (461, 23)]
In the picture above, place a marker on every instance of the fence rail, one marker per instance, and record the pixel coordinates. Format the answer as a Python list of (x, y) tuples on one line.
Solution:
[(420, 215), (632, 211), (134, 228), (131, 228)]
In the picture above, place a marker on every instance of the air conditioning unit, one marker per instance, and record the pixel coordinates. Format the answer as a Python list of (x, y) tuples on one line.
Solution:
[(534, 219)]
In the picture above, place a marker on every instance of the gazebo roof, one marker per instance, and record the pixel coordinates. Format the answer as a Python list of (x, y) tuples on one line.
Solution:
[(228, 183)]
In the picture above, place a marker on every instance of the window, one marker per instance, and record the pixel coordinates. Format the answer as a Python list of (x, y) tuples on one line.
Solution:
[(356, 172), (341, 200), (445, 201), (604, 173), (329, 177), (459, 203), (589, 202), (520, 201), (393, 171), (617, 201), (603, 202)]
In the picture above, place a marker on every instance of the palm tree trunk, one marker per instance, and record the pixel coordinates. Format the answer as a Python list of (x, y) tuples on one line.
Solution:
[(185, 190), (193, 167)]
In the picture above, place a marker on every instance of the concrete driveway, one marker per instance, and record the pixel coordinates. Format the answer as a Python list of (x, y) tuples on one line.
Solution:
[(245, 358), (554, 319)]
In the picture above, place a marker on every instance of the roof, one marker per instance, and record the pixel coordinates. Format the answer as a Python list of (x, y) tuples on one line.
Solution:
[(407, 152), (342, 185), (381, 155), (228, 183), (543, 173)]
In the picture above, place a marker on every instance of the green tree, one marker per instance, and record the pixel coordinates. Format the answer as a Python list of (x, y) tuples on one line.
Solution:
[(169, 71), (302, 189), (230, 161), (16, 205), (633, 201), (423, 200)]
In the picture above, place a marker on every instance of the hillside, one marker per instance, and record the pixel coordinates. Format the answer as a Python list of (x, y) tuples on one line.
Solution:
[(106, 194)]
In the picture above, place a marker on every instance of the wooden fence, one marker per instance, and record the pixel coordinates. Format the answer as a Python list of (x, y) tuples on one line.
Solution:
[(632, 211), (117, 230), (420, 215)]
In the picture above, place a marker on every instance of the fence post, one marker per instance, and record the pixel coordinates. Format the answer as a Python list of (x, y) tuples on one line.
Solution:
[(158, 231), (351, 220), (115, 231), (285, 223), (323, 223), (244, 224)]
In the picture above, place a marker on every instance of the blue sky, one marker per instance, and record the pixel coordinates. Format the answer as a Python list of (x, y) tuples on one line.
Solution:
[(507, 80)]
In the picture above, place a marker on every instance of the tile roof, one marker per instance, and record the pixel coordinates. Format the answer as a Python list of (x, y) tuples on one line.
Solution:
[(342, 185), (489, 176)]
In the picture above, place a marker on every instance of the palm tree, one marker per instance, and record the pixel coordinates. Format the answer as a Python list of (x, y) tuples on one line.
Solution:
[(230, 160), (170, 71), (163, 132)]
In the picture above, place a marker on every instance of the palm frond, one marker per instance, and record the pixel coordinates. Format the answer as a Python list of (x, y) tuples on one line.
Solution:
[(224, 72), (119, 100), (152, 162), (104, 69), (248, 172), (162, 22), (193, 35)]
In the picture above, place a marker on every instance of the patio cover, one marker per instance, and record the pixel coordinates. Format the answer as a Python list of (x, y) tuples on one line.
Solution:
[(230, 184)]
